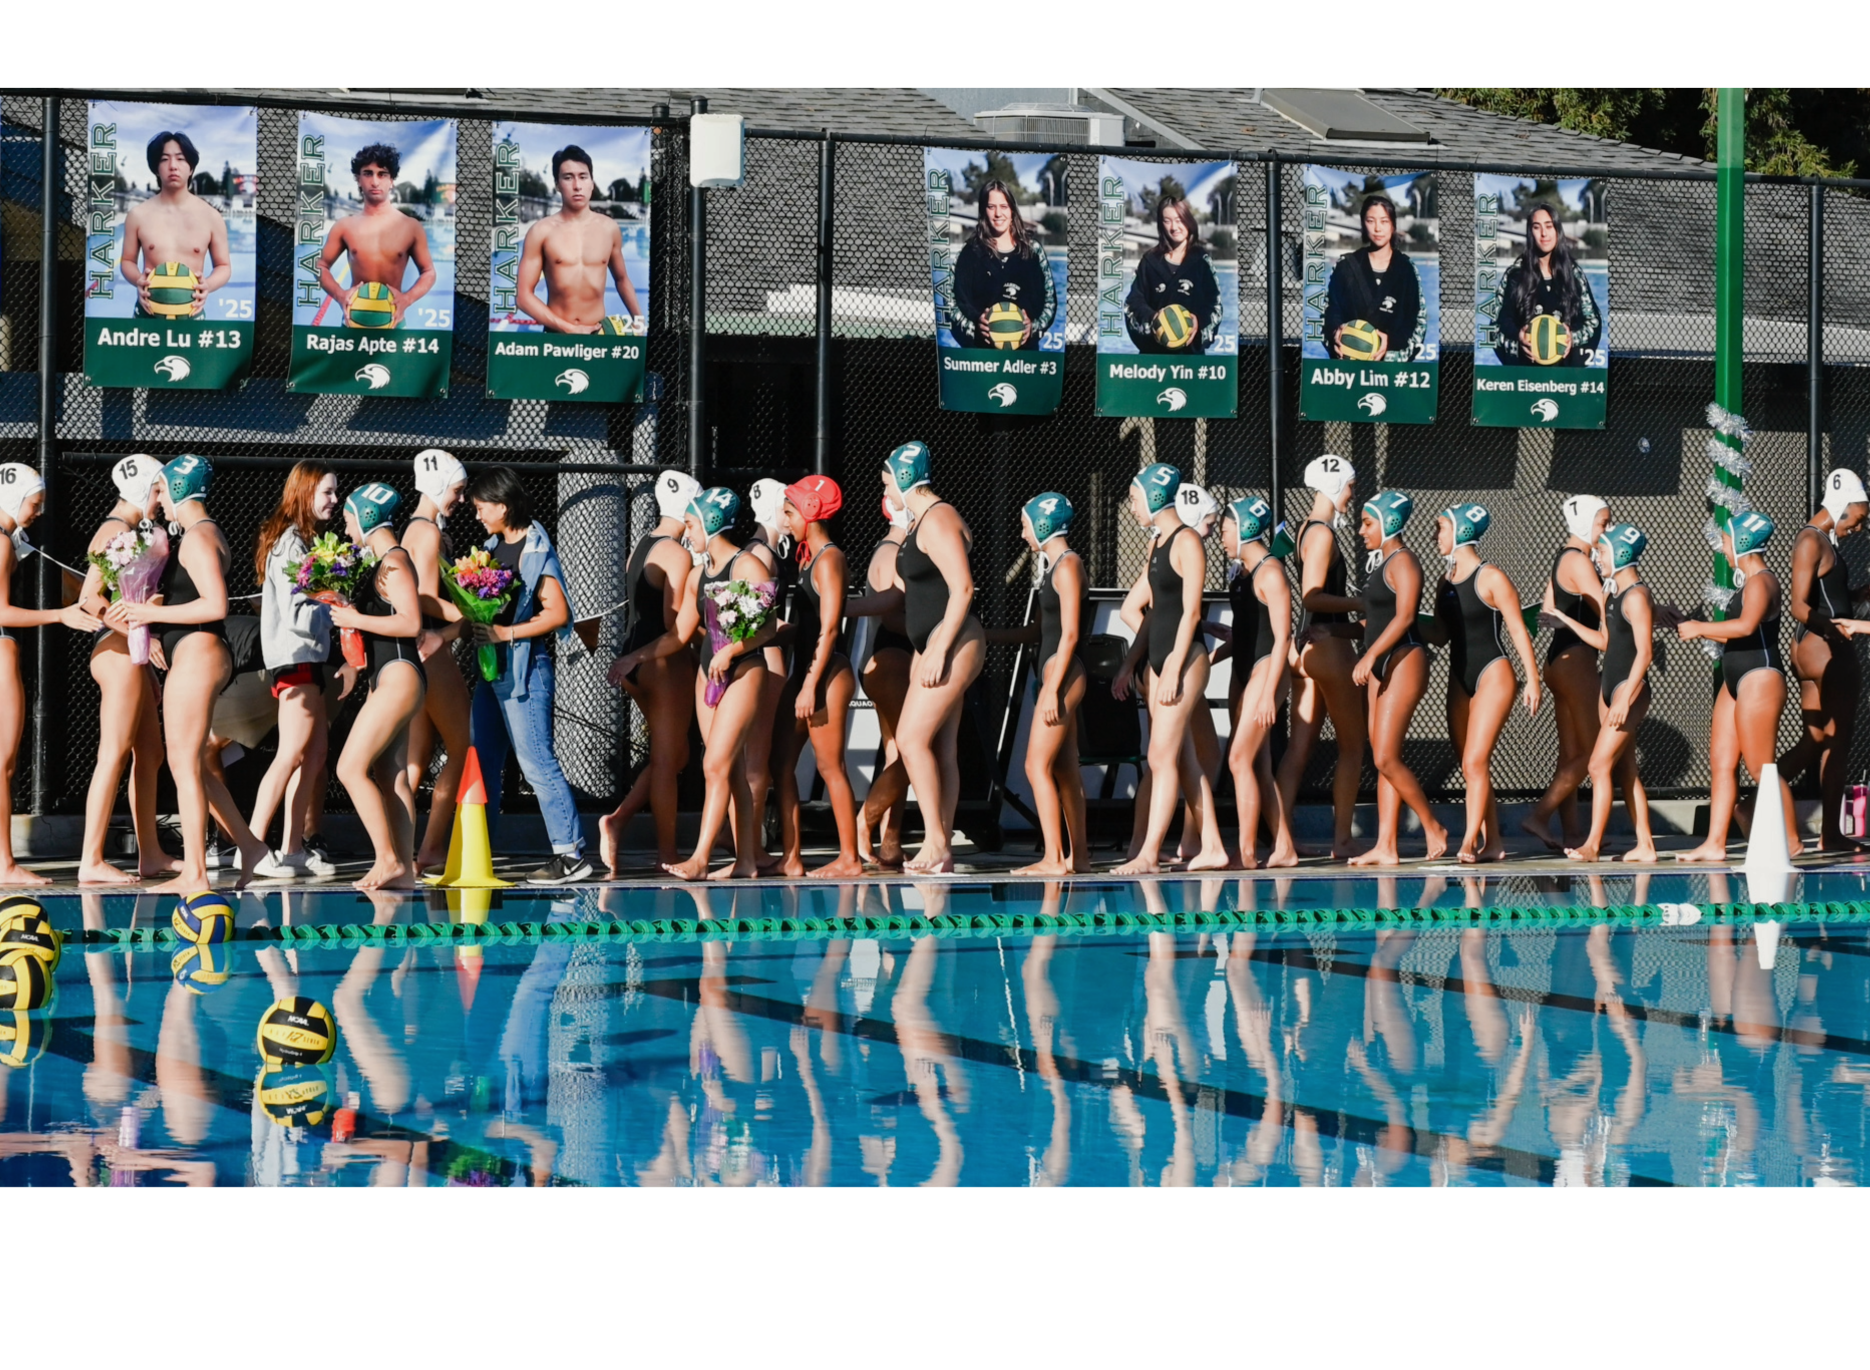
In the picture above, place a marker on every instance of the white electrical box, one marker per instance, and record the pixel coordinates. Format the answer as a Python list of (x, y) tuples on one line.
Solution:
[(715, 144)]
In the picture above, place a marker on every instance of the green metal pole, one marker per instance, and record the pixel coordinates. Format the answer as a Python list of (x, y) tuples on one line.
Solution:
[(1729, 282)]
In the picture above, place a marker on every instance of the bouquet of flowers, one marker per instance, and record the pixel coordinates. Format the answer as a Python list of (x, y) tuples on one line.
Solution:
[(130, 564), (480, 587), (330, 572), (734, 612)]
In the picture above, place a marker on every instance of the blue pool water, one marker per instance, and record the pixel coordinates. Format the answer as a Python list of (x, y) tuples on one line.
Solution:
[(1706, 1052)]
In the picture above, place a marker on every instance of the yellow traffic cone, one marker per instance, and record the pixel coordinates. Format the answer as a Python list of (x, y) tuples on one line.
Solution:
[(470, 853)]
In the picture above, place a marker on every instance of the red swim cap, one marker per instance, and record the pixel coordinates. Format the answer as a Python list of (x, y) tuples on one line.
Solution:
[(816, 497)]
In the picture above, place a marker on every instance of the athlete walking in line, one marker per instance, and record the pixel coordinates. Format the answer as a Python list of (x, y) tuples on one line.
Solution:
[(1575, 592), (572, 251), (884, 671), (1260, 640), (656, 580), (379, 242), (1394, 671), (1474, 601), (441, 485), (1625, 638)]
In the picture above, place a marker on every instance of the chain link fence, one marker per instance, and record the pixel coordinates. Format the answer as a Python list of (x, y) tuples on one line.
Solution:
[(762, 355)]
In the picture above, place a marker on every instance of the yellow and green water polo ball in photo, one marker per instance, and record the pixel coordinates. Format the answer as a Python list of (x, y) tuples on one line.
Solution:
[(22, 1037), (297, 1032), (616, 326), (372, 306), (204, 917), (1548, 339), (172, 290), (24, 927), (1360, 342), (1006, 326), (25, 982), (202, 967), (1175, 326), (294, 1096)]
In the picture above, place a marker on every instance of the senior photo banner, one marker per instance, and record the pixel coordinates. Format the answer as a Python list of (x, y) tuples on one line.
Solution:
[(1541, 302), (169, 245), (373, 275), (568, 295), (1372, 343), (996, 242), (1168, 289)]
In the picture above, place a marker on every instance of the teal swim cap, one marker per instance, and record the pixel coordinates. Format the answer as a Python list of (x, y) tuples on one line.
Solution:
[(1470, 522), (1159, 482), (187, 477), (1750, 530), (1050, 514), (373, 505), (909, 466), (1254, 517), (1391, 510), (717, 507), (1626, 542)]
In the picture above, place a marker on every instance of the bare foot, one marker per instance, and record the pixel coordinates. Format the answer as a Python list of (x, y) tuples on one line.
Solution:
[(931, 861), (1211, 861), (159, 864), (103, 873), (1707, 851), (608, 830), (429, 861), (16, 874), (1541, 831), (766, 865), (737, 871), (842, 868), (1377, 856), (789, 866), (1043, 868), (1081, 866), (1642, 854), (1137, 866), (1437, 843), (1584, 853), (1795, 847), (1248, 862), (692, 869), (1493, 851), (394, 876), (1282, 856), (185, 882)]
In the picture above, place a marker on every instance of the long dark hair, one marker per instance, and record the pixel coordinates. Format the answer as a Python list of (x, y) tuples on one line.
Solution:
[(1565, 276), (1021, 230), (1180, 204), (1363, 220), (501, 485)]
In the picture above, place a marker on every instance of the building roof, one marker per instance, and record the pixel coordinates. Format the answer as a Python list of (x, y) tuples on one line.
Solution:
[(1226, 120)]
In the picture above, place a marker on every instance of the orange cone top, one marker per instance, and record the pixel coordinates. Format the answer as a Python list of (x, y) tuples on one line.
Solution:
[(473, 788)]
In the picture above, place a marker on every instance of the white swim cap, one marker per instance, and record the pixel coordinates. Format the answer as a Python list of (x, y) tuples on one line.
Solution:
[(1329, 474), (674, 491), (1194, 504), (1843, 488), (18, 483), (766, 497), (135, 476), (436, 471), (1581, 512)]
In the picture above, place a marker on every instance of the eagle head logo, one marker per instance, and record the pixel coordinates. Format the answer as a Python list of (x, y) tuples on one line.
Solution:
[(1174, 397), (573, 380), (1373, 404), (374, 372), (174, 367), (1005, 393), (1547, 410)]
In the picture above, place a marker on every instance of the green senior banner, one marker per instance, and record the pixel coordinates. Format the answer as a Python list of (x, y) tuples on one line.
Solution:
[(568, 288), (373, 274), (1372, 342), (995, 233), (1168, 289), (1541, 302), (169, 245)]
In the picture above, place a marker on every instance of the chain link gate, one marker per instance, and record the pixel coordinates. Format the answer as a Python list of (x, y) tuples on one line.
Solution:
[(589, 466)]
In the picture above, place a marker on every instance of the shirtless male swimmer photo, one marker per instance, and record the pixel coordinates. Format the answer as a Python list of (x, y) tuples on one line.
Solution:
[(573, 249), (175, 225), (380, 240)]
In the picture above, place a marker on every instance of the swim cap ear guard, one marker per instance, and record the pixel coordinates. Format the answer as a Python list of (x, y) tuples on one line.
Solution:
[(908, 466), (1194, 504), (675, 490), (1626, 542), (1842, 490), (372, 505), (1329, 474), (1750, 531), (1158, 481), (896, 518), (1391, 510), (1253, 517), (1050, 515), (1470, 523), (717, 507), (187, 478), (1581, 512), (767, 496)]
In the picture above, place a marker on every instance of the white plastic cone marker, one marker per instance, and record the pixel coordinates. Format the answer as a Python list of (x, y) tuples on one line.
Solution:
[(1766, 943), (1767, 852)]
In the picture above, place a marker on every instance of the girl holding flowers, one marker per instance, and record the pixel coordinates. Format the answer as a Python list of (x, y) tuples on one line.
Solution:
[(388, 612), (129, 723), (734, 601), (441, 483)]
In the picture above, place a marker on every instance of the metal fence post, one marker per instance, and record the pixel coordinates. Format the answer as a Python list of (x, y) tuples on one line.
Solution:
[(1275, 370), (1815, 352), (827, 204), (48, 379), (698, 444)]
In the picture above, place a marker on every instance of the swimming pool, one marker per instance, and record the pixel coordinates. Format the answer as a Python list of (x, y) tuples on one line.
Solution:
[(1622, 1030)]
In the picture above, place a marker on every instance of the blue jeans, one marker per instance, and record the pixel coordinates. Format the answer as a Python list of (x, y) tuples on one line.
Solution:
[(528, 724)]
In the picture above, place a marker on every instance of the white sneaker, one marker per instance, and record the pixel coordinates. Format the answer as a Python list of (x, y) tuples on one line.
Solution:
[(314, 862), (276, 866)]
